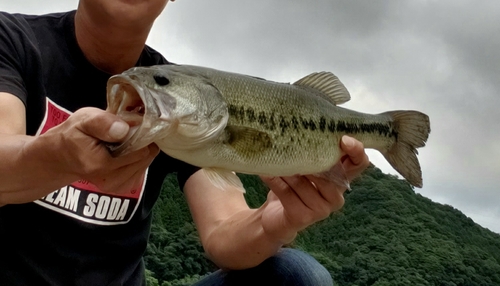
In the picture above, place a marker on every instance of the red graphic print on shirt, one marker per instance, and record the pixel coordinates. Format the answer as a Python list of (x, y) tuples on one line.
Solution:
[(82, 200)]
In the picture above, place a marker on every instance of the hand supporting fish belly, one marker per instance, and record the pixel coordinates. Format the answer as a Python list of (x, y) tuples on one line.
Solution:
[(225, 123)]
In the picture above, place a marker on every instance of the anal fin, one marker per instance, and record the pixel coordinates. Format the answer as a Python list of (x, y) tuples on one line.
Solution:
[(337, 175)]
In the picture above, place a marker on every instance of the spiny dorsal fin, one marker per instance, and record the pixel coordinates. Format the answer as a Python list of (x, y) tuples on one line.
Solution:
[(328, 84)]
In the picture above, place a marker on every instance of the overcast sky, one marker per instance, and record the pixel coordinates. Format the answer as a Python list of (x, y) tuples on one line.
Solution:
[(438, 57)]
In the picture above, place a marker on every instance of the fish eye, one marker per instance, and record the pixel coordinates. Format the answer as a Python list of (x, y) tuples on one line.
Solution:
[(161, 80)]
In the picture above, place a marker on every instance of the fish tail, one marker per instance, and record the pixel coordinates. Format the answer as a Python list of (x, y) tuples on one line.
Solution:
[(412, 129)]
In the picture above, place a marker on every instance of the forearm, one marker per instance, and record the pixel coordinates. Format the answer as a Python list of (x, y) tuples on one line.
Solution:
[(241, 241), (241, 235), (233, 235), (27, 169)]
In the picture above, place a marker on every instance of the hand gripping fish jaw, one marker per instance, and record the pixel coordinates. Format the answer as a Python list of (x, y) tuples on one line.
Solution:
[(158, 103), (137, 105)]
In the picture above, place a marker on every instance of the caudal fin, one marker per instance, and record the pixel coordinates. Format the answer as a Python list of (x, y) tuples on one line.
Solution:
[(412, 128)]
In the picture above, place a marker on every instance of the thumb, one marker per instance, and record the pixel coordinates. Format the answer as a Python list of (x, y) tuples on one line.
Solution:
[(118, 130), (354, 149), (102, 125)]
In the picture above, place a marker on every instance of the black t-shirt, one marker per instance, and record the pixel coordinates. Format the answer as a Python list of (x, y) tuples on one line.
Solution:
[(75, 235)]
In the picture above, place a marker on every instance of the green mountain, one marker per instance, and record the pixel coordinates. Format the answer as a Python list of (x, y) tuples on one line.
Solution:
[(386, 234)]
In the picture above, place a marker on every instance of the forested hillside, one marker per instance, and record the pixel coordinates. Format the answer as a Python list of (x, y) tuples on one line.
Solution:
[(385, 235)]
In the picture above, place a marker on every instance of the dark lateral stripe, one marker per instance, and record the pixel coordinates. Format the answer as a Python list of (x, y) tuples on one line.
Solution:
[(270, 122), (353, 128)]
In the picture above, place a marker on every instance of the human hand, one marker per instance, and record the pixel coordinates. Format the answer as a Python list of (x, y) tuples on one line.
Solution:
[(81, 151), (296, 202)]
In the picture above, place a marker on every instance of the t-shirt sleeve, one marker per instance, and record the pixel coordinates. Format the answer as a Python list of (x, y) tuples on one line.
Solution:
[(152, 57), (185, 171), (15, 47)]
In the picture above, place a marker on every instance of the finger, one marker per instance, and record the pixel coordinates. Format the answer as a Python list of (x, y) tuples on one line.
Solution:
[(354, 149), (102, 125), (307, 192), (314, 206), (271, 196), (102, 165), (299, 195), (147, 153), (355, 160), (330, 191), (284, 192), (134, 181), (129, 177)]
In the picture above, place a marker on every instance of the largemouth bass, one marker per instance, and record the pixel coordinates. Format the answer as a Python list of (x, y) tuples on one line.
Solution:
[(226, 122)]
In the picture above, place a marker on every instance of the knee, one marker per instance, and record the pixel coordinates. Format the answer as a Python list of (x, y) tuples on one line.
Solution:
[(289, 267), (299, 268)]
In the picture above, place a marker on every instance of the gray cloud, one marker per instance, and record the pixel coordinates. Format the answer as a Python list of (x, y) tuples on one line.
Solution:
[(440, 57)]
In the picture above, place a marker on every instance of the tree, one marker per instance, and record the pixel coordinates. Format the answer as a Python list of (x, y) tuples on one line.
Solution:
[(386, 234)]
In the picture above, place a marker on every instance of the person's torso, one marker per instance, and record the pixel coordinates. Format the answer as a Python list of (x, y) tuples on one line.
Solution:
[(76, 235)]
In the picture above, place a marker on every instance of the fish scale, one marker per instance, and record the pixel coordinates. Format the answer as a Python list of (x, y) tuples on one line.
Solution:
[(276, 114), (273, 118)]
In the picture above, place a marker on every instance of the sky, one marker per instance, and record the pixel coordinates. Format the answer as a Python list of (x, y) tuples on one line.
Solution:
[(438, 57)]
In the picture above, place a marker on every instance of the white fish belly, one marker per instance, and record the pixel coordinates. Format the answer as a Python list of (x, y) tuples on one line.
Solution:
[(312, 156)]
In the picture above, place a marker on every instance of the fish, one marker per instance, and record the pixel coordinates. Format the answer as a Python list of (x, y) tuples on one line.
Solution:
[(228, 123)]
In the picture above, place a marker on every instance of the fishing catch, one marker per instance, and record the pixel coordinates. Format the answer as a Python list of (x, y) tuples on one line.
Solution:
[(226, 122)]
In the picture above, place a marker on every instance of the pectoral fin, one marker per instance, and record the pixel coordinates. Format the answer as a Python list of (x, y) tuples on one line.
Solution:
[(223, 179), (247, 141)]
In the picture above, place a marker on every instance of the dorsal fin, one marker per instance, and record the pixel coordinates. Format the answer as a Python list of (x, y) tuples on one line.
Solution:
[(328, 84)]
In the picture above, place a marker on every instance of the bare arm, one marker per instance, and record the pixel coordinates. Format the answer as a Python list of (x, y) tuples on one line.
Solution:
[(228, 228), (12, 115), (237, 237), (32, 167)]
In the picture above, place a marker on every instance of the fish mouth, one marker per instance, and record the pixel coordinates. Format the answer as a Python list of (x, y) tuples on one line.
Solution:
[(132, 102)]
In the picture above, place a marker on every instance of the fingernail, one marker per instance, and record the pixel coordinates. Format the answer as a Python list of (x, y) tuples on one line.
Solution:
[(118, 130), (348, 141)]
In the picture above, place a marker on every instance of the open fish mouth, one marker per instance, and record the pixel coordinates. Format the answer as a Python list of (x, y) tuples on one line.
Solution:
[(127, 98)]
